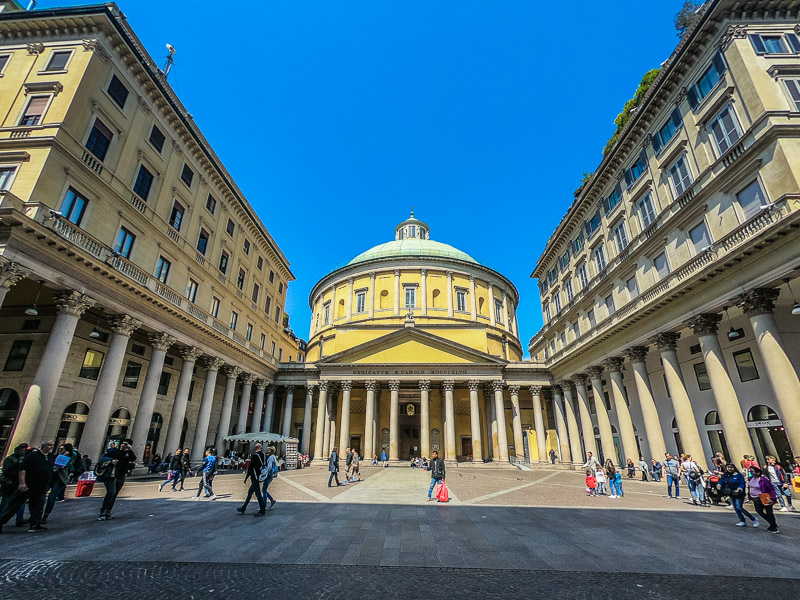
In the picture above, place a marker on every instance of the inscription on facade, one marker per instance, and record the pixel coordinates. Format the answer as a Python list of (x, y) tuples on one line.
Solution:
[(410, 372)]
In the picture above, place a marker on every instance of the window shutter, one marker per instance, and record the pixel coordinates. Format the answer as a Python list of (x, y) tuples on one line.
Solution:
[(719, 63), (36, 106), (758, 43), (691, 96), (101, 127), (676, 118), (794, 42), (656, 143)]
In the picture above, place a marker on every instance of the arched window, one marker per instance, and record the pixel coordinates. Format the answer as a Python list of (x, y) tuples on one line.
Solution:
[(72, 422), (435, 298), (118, 426), (156, 423), (712, 418), (597, 431), (340, 309), (761, 412), (481, 302)]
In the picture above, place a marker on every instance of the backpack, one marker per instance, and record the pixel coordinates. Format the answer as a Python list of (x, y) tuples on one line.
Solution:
[(104, 470), (695, 476), (263, 472)]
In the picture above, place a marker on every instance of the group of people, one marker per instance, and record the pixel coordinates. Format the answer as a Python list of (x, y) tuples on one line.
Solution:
[(597, 475), (352, 467), (418, 462)]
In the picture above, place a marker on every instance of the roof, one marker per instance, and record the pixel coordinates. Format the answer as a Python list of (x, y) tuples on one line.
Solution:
[(412, 247)]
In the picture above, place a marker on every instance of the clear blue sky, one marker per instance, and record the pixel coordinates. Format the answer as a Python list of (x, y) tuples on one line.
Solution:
[(336, 116)]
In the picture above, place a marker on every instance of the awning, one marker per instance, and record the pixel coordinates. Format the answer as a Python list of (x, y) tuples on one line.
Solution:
[(264, 436)]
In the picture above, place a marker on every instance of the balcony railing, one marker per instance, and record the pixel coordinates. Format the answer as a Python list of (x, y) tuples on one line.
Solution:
[(90, 161), (74, 234)]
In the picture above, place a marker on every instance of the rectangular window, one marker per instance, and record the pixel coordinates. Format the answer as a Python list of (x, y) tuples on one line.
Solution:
[(176, 216), (599, 258), (215, 307), (568, 290), (793, 87), (256, 291), (775, 44), (563, 262), (191, 290), (18, 355), (591, 318), (647, 213), (99, 139), (58, 60), (667, 131), (680, 176), (230, 227), (745, 365), (268, 305), (547, 313), (576, 329), (163, 383), (700, 89), (583, 278), (272, 276), (498, 312), (6, 174), (273, 349), (661, 265), (461, 301), (234, 320), (621, 236), (124, 243), (223, 262), (592, 224), (240, 279), (162, 269), (577, 243), (131, 377), (553, 275), (73, 207), (610, 308), (701, 374), (361, 302), (635, 171), (633, 288), (260, 263), (4, 58), (326, 313), (187, 175), (699, 237), (263, 341), (725, 130), (157, 138), (92, 361), (280, 287), (411, 296), (611, 201), (280, 354), (118, 91), (751, 200), (592, 407), (202, 242), (248, 332), (246, 247), (144, 180), (557, 300), (34, 111)]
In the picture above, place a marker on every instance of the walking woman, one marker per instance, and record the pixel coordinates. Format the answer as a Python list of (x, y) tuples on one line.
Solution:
[(611, 476), (763, 495), (732, 484), (333, 467), (272, 473), (175, 462)]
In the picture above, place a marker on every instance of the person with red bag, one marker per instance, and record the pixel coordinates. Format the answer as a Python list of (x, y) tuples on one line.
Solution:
[(437, 474), (763, 495)]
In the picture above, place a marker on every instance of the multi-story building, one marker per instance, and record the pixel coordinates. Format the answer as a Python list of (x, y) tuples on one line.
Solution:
[(132, 268), (668, 289)]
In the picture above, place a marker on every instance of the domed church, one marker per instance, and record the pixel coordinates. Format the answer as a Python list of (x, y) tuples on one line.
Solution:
[(417, 348)]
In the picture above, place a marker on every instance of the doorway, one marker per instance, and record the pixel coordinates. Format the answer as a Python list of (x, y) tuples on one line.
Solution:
[(466, 448)]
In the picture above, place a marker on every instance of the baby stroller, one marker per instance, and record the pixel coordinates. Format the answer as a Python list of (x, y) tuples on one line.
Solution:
[(712, 493)]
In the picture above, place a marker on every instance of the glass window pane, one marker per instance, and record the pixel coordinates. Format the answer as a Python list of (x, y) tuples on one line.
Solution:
[(745, 365), (751, 199)]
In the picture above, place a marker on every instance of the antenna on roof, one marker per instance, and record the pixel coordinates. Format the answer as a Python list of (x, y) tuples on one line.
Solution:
[(170, 60)]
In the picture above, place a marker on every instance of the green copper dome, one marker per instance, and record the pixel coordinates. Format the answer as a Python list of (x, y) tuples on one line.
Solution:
[(412, 247)]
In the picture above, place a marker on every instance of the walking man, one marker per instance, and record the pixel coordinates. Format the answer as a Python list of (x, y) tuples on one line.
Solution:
[(186, 465), (349, 461), (33, 478), (333, 467), (643, 467), (591, 462), (437, 472), (206, 481), (384, 458), (672, 470), (552, 456), (122, 460), (272, 473), (9, 482), (256, 473), (175, 468)]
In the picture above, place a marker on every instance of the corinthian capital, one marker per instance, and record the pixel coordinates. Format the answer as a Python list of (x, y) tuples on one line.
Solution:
[(191, 353), (424, 385), (161, 341), (666, 341), (636, 353), (536, 390), (473, 385), (233, 372), (124, 324), (580, 379), (248, 378), (448, 385), (513, 390), (347, 385), (213, 364), (72, 302), (394, 384), (705, 324), (595, 372), (758, 301), (613, 363), (370, 385), (11, 273), (498, 385)]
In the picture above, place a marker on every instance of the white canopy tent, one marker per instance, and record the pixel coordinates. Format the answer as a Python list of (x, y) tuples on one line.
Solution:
[(264, 437)]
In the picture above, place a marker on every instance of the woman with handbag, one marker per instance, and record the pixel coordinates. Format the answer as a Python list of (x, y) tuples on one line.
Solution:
[(763, 495), (732, 484)]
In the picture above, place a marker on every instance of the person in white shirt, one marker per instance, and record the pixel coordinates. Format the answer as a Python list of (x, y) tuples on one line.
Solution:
[(693, 475)]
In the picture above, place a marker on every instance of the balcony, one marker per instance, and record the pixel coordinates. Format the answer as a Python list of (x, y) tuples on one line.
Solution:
[(90, 161)]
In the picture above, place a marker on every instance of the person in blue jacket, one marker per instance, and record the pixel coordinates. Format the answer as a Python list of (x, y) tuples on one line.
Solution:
[(732, 484), (207, 471)]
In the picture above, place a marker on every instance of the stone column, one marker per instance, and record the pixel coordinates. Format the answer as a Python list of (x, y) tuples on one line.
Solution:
[(330, 415), (258, 406), (396, 292), (305, 441), (376, 423), (287, 411), (394, 418), (538, 423), (603, 420), (587, 428), (473, 301), (626, 432), (758, 305), (514, 325), (371, 294), (423, 290), (506, 320), (333, 304), (189, 354), (244, 402), (319, 437), (369, 418), (561, 426), (147, 400), (490, 304), (667, 343), (449, 293), (652, 423), (204, 415), (269, 410), (39, 400), (475, 421), (500, 414), (344, 423), (728, 406), (572, 423), (349, 301), (516, 422), (449, 403), (232, 374), (94, 432), (425, 416), (10, 274), (488, 395), (443, 408)]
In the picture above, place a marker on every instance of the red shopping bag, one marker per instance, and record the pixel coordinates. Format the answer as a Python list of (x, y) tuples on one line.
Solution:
[(441, 493)]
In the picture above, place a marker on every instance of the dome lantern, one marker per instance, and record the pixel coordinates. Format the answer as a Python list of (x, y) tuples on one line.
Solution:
[(412, 228)]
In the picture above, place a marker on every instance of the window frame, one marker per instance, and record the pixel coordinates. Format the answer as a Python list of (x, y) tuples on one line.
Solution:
[(234, 320), (4, 64), (93, 150), (582, 274), (49, 68), (90, 372), (157, 147), (120, 241), (18, 345), (176, 216), (128, 378), (361, 302), (39, 118), (139, 178), (793, 91), (736, 361), (215, 305), (701, 376), (191, 290), (66, 214), (599, 256), (163, 266), (740, 208), (117, 102), (184, 170), (685, 182), (647, 200), (702, 224), (461, 301), (200, 237), (726, 135), (224, 261), (659, 276), (674, 120), (620, 227)]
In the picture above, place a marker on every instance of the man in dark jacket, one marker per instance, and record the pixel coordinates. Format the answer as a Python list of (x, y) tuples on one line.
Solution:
[(10, 481), (257, 462), (34, 477), (437, 472), (333, 467), (348, 464), (175, 462), (123, 459), (186, 465)]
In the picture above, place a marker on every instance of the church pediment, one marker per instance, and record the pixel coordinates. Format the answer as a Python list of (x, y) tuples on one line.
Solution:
[(411, 346)]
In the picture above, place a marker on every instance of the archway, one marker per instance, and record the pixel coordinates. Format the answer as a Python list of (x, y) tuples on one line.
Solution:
[(118, 426), (9, 408), (716, 436), (768, 436), (156, 423), (73, 420), (677, 436)]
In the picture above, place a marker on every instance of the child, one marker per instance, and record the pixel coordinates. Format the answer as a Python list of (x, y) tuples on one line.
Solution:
[(600, 477), (591, 484), (616, 485)]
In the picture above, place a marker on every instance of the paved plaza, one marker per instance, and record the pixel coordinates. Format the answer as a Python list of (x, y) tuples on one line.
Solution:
[(503, 529)]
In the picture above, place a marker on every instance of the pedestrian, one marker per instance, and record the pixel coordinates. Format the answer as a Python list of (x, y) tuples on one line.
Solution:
[(348, 461), (631, 469), (591, 482), (732, 484), (782, 484), (374, 460), (333, 467), (272, 473), (672, 468), (9, 482), (611, 477), (591, 462), (616, 485), (208, 468), (122, 461), (384, 458), (59, 478), (354, 467), (693, 475), (600, 481), (257, 473), (437, 473), (553, 456), (87, 463), (764, 495), (33, 477), (658, 468), (643, 467), (186, 466), (175, 462)]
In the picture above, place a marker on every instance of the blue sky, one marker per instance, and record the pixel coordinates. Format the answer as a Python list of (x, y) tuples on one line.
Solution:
[(335, 117)]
